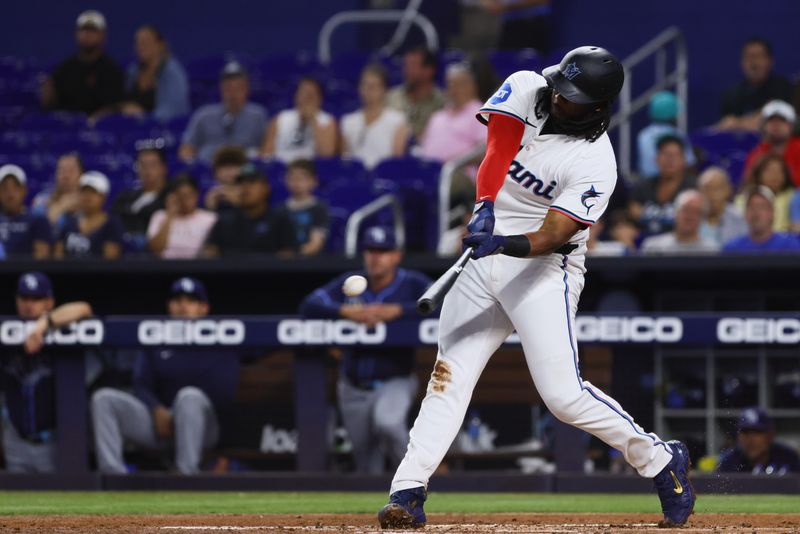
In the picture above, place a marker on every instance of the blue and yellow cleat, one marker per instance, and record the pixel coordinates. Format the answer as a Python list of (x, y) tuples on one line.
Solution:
[(404, 510), (674, 487)]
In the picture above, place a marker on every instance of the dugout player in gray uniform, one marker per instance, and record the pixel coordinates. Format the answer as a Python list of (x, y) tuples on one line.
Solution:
[(180, 396), (27, 380), (376, 384)]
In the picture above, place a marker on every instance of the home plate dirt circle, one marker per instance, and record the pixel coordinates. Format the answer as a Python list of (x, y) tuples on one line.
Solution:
[(366, 523)]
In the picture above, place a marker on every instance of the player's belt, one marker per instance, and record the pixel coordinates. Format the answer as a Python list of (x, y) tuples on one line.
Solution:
[(565, 249)]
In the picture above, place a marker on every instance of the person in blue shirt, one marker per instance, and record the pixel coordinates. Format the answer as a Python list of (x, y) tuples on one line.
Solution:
[(156, 83), (181, 397), (234, 121), (22, 233), (759, 213), (92, 232), (756, 451), (663, 111), (376, 385), (27, 380)]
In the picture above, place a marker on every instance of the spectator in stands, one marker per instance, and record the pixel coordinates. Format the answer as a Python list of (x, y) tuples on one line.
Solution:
[(226, 165), (759, 213), (376, 387), (374, 132), (305, 131), (22, 233), (418, 98), (156, 83), (307, 212), (778, 120), (234, 121), (180, 230), (757, 452), (62, 199), (181, 397), (27, 378), (723, 220), (90, 81), (135, 206), (453, 130), (794, 212), (252, 228), (685, 238), (741, 103), (652, 201), (771, 170), (92, 232), (622, 231), (663, 110)]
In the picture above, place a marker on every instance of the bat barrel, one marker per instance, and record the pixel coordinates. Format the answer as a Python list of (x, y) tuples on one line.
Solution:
[(434, 295)]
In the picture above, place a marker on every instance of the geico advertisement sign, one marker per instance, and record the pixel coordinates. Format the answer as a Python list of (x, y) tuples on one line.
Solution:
[(183, 332), (316, 331), (88, 332), (758, 330)]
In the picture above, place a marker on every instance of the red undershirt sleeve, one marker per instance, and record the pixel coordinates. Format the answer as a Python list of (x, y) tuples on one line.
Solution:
[(503, 141)]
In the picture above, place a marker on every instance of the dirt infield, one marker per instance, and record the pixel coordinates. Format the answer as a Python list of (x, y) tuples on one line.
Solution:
[(362, 523)]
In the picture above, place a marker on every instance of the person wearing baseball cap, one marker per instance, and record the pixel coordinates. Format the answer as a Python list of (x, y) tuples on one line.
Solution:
[(26, 377), (371, 378), (760, 214), (181, 396), (22, 233), (234, 121), (89, 81), (92, 232), (756, 451), (778, 120), (253, 227), (663, 111)]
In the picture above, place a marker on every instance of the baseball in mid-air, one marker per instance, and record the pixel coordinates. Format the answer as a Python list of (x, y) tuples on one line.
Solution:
[(354, 285)]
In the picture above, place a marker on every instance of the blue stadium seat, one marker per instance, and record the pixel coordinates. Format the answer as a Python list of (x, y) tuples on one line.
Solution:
[(507, 62), (53, 121), (334, 170), (716, 143)]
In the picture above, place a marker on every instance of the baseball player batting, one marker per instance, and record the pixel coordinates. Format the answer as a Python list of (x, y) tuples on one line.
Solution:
[(547, 177)]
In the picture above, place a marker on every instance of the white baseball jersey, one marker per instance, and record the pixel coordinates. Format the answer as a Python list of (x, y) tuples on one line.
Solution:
[(550, 172)]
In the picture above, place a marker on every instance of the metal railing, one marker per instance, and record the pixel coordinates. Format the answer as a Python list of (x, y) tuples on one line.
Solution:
[(446, 175), (405, 17), (677, 78), (353, 227)]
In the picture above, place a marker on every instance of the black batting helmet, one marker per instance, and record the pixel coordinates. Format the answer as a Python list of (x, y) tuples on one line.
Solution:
[(586, 75)]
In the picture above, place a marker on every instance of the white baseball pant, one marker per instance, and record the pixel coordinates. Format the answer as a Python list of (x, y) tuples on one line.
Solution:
[(537, 297)]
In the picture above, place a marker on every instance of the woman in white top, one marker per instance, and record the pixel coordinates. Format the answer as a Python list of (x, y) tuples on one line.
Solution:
[(374, 132), (180, 230), (305, 131)]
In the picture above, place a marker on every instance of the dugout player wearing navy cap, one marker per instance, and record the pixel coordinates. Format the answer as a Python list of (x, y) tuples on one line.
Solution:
[(27, 381), (376, 384), (756, 451), (180, 396)]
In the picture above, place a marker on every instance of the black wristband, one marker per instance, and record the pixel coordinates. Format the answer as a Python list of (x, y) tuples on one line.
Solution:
[(517, 246)]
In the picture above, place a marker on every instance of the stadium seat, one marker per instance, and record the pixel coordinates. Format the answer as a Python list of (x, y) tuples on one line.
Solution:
[(507, 62), (719, 143), (333, 170)]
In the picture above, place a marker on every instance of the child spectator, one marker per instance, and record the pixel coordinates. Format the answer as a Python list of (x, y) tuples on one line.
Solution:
[(156, 82), (179, 231), (622, 231), (304, 131), (227, 163), (22, 233), (307, 212), (374, 132), (61, 199), (92, 232), (723, 221), (771, 171)]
